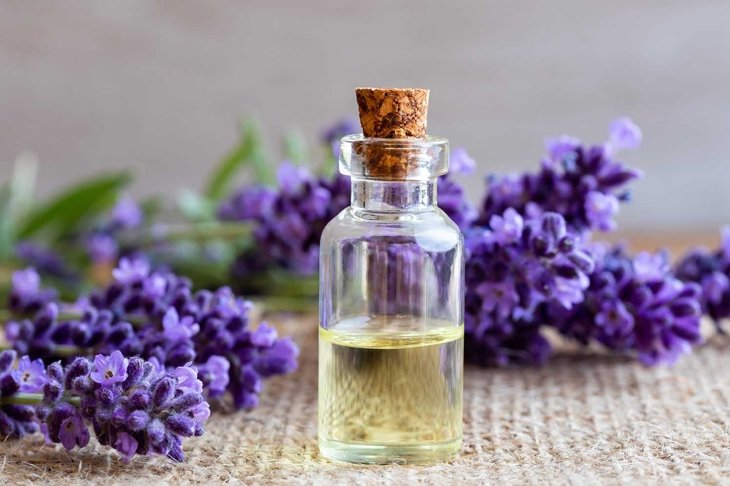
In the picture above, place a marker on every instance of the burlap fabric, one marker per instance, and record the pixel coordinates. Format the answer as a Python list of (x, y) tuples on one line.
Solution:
[(584, 418)]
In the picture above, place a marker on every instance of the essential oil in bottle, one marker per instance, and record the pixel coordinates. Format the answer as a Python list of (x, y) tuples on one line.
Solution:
[(391, 295)]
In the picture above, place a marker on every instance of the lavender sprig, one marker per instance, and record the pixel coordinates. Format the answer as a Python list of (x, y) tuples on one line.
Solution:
[(582, 183), (634, 305), (157, 316), (711, 271), (290, 219), (514, 266), (132, 405), (26, 295)]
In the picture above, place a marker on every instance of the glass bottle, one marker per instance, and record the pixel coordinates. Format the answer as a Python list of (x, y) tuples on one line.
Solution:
[(391, 309)]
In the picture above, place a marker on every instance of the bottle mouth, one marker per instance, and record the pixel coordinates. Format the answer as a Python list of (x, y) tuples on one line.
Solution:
[(394, 158)]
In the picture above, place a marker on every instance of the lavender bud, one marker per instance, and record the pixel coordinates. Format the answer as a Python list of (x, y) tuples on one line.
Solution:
[(181, 425), (106, 396), (138, 420), (8, 385), (80, 334), (186, 401), (6, 360), (163, 391), (52, 392), (61, 332), (140, 399), (135, 370), (156, 431), (79, 367), (119, 416), (7, 425), (82, 385), (119, 332)]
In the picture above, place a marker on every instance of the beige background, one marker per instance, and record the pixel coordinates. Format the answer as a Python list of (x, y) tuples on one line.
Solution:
[(160, 86)]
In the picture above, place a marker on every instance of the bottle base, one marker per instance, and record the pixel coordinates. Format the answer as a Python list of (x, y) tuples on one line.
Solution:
[(388, 453)]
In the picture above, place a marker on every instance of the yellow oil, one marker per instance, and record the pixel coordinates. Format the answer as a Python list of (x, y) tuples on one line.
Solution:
[(390, 391)]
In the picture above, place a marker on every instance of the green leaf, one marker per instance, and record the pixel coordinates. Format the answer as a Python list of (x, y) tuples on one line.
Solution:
[(66, 212), (249, 150), (295, 147), (16, 197), (195, 207)]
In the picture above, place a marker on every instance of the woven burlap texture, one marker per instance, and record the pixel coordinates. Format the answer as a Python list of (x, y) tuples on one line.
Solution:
[(584, 418)]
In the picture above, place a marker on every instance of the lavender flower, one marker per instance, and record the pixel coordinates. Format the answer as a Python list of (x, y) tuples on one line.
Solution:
[(289, 222), (126, 214), (44, 260), (584, 184), (102, 248), (110, 369), (513, 267), (332, 135), (15, 420), (711, 271), (451, 195), (289, 219), (26, 295), (172, 326), (131, 406), (30, 374), (634, 306)]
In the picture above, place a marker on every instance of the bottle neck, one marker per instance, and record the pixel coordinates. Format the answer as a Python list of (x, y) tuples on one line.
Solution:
[(382, 195)]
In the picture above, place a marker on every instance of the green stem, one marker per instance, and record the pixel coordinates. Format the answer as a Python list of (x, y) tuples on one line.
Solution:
[(272, 303), (59, 351), (184, 232), (33, 399)]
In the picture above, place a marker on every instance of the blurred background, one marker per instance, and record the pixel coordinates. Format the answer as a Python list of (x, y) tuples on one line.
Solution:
[(161, 86)]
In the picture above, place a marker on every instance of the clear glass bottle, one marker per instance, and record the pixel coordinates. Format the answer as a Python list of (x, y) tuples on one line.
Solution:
[(391, 310)]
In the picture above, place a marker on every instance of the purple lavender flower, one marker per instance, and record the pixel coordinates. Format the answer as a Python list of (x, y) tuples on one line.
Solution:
[(131, 270), (110, 369), (289, 222), (102, 248), (176, 329), (460, 162), (634, 306), (146, 412), (44, 260), (126, 445), (172, 326), (624, 134), (15, 420), (30, 375), (332, 135), (73, 432), (214, 374), (499, 298), (26, 295), (248, 204), (451, 195), (560, 147), (507, 229), (711, 270), (600, 209), (513, 268), (126, 214), (582, 183)]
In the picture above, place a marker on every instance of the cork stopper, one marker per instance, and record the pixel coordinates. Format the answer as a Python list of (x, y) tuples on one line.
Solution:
[(393, 112)]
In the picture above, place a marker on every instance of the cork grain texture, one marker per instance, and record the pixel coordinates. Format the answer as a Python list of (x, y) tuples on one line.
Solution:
[(395, 113), (584, 418)]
